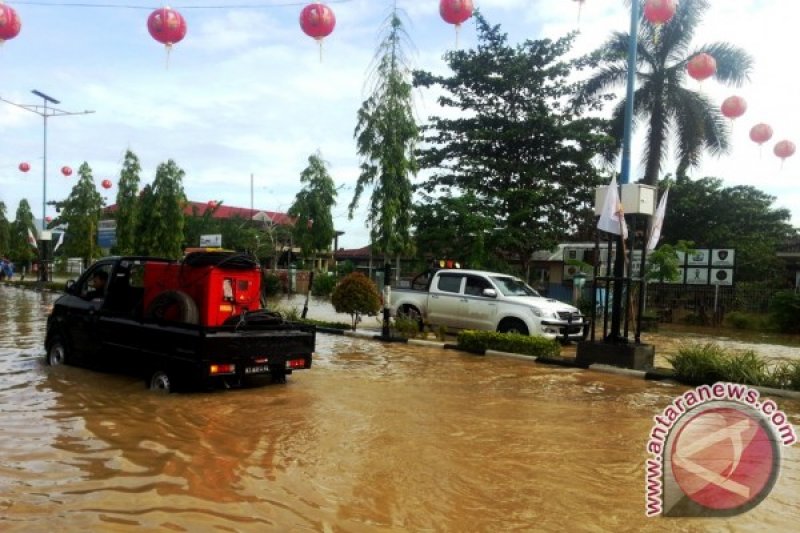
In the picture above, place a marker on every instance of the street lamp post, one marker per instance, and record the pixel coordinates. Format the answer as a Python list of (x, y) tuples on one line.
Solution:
[(45, 112), (619, 260)]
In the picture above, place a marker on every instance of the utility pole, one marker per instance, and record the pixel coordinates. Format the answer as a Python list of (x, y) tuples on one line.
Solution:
[(45, 112)]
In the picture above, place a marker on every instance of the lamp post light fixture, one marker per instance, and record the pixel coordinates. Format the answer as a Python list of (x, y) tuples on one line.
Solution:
[(45, 112)]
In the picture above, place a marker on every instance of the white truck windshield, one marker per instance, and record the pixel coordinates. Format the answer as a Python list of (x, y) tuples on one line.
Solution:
[(513, 287)]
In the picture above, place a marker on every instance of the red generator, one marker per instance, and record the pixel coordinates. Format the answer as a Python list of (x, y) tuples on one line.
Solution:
[(205, 288)]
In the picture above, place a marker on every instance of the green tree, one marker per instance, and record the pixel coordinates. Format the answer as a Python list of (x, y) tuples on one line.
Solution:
[(356, 295), (508, 140), (80, 212), (161, 219), (454, 228), (21, 252), (313, 229), (740, 217), (663, 264), (386, 134), (662, 99), (5, 229), (127, 204)]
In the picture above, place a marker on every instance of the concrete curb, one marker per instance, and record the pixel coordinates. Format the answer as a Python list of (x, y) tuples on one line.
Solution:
[(608, 369), (651, 375)]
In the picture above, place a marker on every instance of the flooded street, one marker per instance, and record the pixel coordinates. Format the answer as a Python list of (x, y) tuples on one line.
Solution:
[(374, 437)]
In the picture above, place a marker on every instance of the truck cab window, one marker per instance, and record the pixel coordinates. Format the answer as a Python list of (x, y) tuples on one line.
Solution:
[(475, 286), (94, 286), (450, 283)]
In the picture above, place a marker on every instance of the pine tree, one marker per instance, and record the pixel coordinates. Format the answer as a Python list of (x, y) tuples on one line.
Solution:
[(161, 218), (127, 204), (20, 250), (5, 231), (313, 229), (386, 134), (80, 212)]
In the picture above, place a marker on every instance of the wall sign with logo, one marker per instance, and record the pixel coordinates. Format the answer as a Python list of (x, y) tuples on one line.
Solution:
[(707, 267)]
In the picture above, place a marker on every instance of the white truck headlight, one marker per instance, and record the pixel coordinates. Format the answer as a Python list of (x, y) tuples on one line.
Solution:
[(537, 311)]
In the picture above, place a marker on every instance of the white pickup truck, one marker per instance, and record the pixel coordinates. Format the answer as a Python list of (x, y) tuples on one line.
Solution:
[(475, 299)]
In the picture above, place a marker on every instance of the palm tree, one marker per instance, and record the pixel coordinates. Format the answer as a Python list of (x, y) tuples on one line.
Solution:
[(662, 98)]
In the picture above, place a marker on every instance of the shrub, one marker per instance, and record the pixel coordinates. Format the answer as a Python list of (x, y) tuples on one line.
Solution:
[(709, 363), (698, 362), (323, 285), (785, 375), (785, 310), (271, 284), (742, 320), (479, 341), (406, 326), (344, 268), (356, 295)]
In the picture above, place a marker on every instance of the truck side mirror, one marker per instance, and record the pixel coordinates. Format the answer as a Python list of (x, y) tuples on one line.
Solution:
[(490, 293)]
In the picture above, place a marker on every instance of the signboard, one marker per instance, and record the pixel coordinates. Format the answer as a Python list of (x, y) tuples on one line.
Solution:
[(106, 233), (696, 276), (721, 276), (723, 258), (698, 258), (211, 240)]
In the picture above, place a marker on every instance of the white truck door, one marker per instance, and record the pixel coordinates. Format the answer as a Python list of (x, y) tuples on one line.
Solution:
[(445, 305), (479, 310)]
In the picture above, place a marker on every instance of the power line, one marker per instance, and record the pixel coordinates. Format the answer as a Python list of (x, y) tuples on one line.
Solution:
[(150, 7)]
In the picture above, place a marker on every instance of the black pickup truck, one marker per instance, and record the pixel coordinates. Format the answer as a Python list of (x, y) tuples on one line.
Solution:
[(190, 324)]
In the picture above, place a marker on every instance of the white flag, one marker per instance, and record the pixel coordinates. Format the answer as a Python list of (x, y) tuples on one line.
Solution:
[(658, 222), (32, 239), (60, 241), (612, 218)]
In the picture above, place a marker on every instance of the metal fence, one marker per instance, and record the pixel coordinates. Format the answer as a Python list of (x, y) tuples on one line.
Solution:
[(707, 301)]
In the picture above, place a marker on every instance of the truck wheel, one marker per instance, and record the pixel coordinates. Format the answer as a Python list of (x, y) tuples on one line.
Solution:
[(159, 382), (278, 373), (512, 325), (409, 311), (57, 353), (173, 305)]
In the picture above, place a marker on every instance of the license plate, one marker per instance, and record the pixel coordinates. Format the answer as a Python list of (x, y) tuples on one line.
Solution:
[(260, 369)]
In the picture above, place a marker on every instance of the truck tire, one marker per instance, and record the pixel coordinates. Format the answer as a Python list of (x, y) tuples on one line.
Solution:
[(57, 352), (173, 305), (512, 325), (160, 382), (278, 373)]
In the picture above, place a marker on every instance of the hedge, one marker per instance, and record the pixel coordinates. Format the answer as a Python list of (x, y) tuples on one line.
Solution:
[(480, 341)]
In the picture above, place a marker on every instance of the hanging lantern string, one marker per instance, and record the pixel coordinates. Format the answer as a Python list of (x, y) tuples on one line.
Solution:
[(264, 5)]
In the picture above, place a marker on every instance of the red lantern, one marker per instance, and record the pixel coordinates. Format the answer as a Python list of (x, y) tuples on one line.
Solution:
[(24, 167), (66, 171), (106, 184), (48, 219), (166, 26), (659, 11), (702, 66), (733, 107), (455, 11), (10, 24), (784, 149), (317, 21), (212, 204), (761, 133)]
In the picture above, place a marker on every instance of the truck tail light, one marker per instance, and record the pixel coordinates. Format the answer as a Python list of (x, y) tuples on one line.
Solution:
[(296, 363), (215, 370)]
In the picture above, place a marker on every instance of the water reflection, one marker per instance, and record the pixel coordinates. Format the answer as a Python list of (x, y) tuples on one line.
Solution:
[(373, 438)]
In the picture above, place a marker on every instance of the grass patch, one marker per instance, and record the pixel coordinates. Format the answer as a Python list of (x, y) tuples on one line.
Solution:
[(709, 363)]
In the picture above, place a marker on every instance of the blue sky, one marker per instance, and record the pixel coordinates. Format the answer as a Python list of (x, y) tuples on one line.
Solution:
[(245, 92)]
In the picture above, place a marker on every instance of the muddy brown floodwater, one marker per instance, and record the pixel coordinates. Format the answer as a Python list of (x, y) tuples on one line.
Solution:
[(373, 438)]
